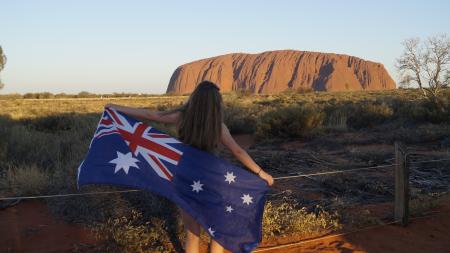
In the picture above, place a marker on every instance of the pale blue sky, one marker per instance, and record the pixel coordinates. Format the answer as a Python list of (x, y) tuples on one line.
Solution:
[(134, 46)]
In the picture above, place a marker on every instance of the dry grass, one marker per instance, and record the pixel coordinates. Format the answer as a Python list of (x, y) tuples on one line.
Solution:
[(26, 180), (290, 218), (42, 142), (133, 234)]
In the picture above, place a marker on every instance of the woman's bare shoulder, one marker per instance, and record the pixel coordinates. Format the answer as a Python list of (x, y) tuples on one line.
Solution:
[(225, 130), (226, 138)]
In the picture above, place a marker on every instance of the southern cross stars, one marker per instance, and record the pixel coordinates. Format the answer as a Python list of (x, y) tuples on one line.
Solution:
[(124, 162), (229, 177), (246, 199), (229, 209), (197, 186)]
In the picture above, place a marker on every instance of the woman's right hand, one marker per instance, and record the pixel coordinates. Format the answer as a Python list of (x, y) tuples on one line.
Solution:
[(266, 176)]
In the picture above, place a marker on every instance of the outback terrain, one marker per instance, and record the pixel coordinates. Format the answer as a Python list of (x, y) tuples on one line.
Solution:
[(42, 142)]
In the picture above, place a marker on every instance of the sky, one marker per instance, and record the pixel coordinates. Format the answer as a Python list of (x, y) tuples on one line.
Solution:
[(134, 46)]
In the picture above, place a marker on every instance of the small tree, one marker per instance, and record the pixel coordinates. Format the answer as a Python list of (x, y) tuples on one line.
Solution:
[(426, 64), (2, 64)]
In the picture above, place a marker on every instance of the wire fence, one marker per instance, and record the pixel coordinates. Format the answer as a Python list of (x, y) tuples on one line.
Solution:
[(276, 178), (335, 172), (135, 190), (68, 195)]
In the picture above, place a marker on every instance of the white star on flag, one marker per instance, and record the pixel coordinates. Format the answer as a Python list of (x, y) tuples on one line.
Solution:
[(197, 186), (246, 199), (124, 162), (211, 231), (229, 177), (229, 209)]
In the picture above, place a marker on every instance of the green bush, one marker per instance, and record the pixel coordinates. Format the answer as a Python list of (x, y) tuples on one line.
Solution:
[(293, 121), (369, 114)]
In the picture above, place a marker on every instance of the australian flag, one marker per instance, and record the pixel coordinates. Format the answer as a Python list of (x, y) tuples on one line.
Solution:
[(226, 200)]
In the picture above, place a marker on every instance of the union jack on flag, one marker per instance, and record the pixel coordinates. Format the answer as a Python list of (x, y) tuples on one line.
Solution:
[(226, 200), (141, 139)]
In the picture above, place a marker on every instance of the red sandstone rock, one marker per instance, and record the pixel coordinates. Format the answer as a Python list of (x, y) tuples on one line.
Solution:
[(276, 71)]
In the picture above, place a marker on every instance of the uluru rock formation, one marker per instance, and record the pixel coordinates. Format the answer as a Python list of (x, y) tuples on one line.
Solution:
[(277, 71)]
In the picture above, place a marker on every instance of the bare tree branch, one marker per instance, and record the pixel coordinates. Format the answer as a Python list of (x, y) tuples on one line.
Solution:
[(426, 63)]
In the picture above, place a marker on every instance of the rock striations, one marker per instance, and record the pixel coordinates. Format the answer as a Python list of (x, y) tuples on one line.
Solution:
[(277, 71)]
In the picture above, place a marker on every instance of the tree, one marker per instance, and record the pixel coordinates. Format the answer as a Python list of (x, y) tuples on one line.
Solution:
[(426, 64), (2, 64)]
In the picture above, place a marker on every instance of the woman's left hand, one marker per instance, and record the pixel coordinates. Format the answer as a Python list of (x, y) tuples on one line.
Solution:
[(266, 176)]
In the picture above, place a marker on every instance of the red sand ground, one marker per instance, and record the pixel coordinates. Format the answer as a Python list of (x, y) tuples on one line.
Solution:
[(428, 234), (29, 227)]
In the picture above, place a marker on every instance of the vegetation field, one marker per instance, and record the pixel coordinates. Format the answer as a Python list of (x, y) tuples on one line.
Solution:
[(43, 139)]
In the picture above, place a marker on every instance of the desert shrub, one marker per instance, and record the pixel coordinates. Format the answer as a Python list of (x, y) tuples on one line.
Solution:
[(426, 111), (336, 117), (289, 218), (53, 123), (45, 95), (25, 180), (423, 133), (25, 146), (39, 148), (29, 95), (292, 121), (92, 208), (361, 217), (162, 107), (11, 96), (425, 202), (85, 94), (239, 119), (369, 114), (304, 90), (272, 102), (240, 93), (133, 234), (39, 95)]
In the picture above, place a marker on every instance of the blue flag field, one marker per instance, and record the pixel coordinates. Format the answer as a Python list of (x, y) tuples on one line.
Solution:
[(226, 200)]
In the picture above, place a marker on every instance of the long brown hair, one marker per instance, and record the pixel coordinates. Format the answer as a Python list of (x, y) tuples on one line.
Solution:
[(200, 124)]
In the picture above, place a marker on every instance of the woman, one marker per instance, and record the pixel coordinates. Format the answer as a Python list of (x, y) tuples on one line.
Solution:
[(200, 124)]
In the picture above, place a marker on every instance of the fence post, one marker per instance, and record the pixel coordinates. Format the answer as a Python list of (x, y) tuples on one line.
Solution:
[(401, 210)]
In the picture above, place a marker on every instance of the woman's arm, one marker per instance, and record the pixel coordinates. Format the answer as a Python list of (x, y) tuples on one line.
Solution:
[(146, 114), (242, 155)]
